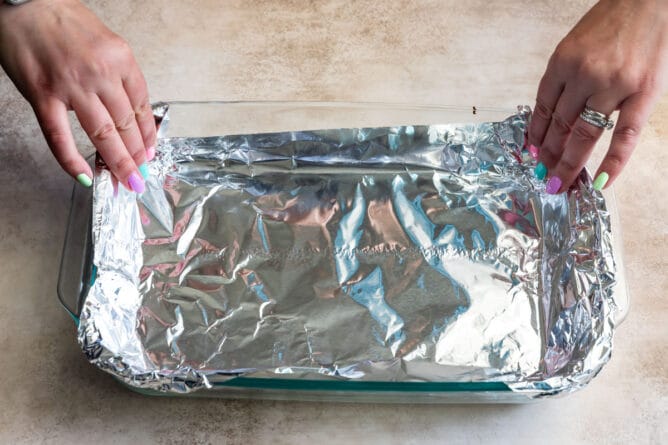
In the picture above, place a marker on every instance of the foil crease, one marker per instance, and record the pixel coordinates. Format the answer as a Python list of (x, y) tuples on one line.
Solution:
[(411, 253)]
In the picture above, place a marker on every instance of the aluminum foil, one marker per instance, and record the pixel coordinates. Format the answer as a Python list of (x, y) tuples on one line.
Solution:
[(411, 253)]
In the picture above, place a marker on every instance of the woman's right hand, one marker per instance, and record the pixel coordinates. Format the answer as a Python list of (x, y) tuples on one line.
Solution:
[(62, 57), (616, 57)]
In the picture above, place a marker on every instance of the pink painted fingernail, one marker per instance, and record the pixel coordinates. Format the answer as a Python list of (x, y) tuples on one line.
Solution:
[(150, 153), (136, 183), (553, 185), (533, 151)]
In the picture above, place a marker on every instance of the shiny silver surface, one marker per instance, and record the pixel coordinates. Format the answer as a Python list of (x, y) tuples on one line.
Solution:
[(403, 254)]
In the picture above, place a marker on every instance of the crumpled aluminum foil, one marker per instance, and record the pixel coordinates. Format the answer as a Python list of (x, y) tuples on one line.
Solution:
[(412, 253)]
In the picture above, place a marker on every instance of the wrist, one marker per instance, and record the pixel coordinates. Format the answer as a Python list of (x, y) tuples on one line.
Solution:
[(26, 11), (13, 4)]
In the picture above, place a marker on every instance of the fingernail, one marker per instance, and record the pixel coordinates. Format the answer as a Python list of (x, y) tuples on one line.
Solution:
[(600, 181), (553, 185), (143, 169), (533, 151), (136, 183), (150, 153), (540, 171), (84, 180)]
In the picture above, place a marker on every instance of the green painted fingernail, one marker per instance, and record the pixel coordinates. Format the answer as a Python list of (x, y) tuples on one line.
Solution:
[(143, 169), (601, 180), (84, 180), (540, 171)]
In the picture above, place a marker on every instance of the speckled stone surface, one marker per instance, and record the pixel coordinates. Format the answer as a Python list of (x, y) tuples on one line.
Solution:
[(440, 51)]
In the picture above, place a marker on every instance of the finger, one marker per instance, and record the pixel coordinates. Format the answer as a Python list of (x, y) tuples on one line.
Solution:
[(549, 90), (52, 116), (581, 142), (137, 92), (633, 115), (570, 104), (121, 112), (98, 124)]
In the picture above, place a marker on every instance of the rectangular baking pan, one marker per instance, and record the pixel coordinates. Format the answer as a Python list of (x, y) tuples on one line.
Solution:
[(201, 119)]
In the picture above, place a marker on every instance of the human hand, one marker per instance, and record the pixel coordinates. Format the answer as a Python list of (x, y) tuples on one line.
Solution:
[(62, 57), (616, 57)]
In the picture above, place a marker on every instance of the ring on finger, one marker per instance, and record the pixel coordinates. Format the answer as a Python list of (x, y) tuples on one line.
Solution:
[(596, 118)]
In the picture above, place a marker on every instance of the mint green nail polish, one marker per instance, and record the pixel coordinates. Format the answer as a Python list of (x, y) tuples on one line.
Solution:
[(540, 171), (84, 180), (601, 180), (143, 169)]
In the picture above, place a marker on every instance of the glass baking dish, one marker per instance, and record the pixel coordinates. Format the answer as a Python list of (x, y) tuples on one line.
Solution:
[(201, 119)]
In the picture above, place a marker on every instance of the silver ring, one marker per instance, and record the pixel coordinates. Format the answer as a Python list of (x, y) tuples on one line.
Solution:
[(596, 119)]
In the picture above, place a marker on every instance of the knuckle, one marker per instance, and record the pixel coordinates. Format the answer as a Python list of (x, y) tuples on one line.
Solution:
[(627, 81), (562, 53), (584, 134), (138, 155), (126, 122), (108, 58), (561, 126), (50, 128), (614, 162), (69, 164), (569, 165), (587, 67), (590, 71), (97, 68), (54, 135), (120, 44), (137, 149), (566, 57), (626, 134), (542, 110), (56, 138), (42, 84), (123, 167), (550, 154), (105, 132), (648, 82), (144, 111), (120, 50)]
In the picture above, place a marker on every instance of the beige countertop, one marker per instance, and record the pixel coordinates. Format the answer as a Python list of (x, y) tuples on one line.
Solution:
[(440, 52)]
